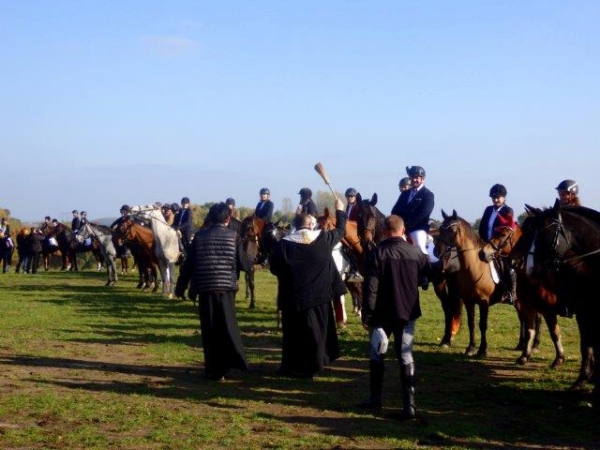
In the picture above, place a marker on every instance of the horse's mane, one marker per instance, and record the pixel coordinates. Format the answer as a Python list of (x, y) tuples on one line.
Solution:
[(581, 211), (103, 228), (471, 233)]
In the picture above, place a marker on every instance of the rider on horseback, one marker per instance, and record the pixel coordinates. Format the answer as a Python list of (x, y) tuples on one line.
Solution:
[(352, 214), (493, 216)]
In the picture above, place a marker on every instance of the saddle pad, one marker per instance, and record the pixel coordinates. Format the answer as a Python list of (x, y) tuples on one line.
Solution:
[(494, 273)]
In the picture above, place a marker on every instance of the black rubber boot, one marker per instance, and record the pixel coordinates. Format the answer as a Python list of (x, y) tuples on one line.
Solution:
[(376, 371)]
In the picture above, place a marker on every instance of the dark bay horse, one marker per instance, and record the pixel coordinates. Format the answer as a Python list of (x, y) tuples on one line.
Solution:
[(561, 249), (251, 229), (475, 283), (445, 285), (50, 247), (369, 221), (103, 237), (370, 224), (69, 247), (533, 299)]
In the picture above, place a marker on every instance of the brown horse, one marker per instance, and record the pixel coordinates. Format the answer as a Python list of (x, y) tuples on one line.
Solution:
[(251, 229), (475, 283), (351, 244), (140, 241), (532, 297)]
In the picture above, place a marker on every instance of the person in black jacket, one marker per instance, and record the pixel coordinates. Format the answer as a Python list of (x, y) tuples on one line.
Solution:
[(34, 249), (213, 266), (307, 205), (75, 221), (183, 222), (489, 221), (308, 281), (392, 307), (264, 208), (415, 206)]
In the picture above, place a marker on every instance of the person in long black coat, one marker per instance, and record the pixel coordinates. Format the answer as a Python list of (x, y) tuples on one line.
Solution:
[(213, 266), (308, 281)]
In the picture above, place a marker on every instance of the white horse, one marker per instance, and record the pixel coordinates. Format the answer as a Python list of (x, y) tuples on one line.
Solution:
[(103, 235), (166, 242)]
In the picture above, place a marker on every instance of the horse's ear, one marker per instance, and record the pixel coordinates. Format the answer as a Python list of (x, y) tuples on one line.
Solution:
[(531, 211), (556, 204), (444, 215), (358, 198), (454, 215), (374, 199)]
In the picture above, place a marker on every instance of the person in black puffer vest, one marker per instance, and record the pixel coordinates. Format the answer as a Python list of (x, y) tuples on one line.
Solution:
[(213, 266)]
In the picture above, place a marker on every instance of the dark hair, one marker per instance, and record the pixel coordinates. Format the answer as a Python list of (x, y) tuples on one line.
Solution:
[(220, 212), (185, 200)]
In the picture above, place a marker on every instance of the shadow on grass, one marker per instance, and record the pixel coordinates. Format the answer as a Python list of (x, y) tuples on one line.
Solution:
[(453, 413)]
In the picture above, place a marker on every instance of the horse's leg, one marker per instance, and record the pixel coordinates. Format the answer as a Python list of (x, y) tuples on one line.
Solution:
[(555, 335), (484, 309), (250, 287), (441, 291), (470, 307), (527, 318), (455, 303), (587, 354), (537, 336)]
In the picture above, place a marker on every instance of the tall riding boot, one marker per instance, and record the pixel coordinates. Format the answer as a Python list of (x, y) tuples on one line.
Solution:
[(407, 377), (376, 371), (510, 284)]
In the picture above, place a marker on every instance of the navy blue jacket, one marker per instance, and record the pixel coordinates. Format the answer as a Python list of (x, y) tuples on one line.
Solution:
[(416, 213)]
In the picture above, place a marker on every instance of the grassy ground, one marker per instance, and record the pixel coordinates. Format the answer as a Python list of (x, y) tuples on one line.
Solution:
[(85, 366)]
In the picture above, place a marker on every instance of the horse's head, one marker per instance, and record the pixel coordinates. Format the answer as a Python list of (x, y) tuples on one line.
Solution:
[(369, 221), (503, 240), (248, 230), (326, 221), (447, 235)]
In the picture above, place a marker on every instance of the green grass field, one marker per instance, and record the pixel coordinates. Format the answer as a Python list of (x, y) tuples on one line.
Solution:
[(83, 366)]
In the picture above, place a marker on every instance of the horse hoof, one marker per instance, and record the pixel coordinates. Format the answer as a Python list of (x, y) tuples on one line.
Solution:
[(445, 344), (579, 385), (470, 351), (557, 363), (522, 360), (252, 306), (481, 354)]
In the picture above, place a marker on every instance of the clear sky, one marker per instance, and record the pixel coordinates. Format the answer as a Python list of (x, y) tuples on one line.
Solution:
[(136, 101)]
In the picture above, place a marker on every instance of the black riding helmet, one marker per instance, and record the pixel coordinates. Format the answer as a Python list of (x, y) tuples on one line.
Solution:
[(305, 193), (498, 190), (569, 186), (175, 207), (125, 208), (404, 182), (230, 201), (415, 171), (350, 192)]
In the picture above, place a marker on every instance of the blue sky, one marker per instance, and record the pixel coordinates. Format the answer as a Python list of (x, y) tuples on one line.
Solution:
[(105, 103)]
